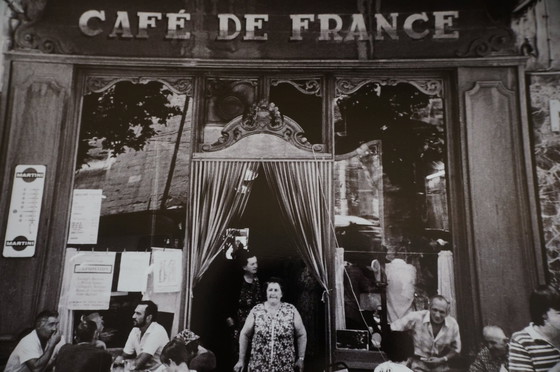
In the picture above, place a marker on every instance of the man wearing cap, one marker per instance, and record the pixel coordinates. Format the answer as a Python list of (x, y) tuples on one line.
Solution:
[(146, 340), (435, 334)]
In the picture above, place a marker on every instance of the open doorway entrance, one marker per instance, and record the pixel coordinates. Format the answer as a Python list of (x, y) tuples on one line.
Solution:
[(277, 257)]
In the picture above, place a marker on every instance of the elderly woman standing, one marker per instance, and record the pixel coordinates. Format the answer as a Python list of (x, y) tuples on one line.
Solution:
[(272, 328)]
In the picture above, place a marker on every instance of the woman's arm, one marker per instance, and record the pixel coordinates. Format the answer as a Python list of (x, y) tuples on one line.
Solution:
[(244, 339), (301, 338)]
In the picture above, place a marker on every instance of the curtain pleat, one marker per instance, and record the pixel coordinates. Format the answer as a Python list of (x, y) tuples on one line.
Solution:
[(219, 191), (302, 190)]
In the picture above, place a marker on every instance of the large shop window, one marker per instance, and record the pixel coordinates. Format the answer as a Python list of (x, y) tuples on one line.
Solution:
[(128, 209), (391, 219)]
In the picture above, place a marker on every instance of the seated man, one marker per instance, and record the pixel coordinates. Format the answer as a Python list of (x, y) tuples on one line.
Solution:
[(146, 340), (84, 356), (36, 351), (493, 356), (435, 335)]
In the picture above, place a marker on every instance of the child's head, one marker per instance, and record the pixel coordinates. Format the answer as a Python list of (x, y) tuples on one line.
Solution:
[(398, 346)]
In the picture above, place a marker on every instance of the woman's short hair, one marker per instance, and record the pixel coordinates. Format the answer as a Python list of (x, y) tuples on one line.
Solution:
[(176, 351), (543, 298), (277, 280), (397, 345)]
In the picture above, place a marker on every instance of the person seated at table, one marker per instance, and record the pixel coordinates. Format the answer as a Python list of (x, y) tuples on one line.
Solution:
[(146, 340), (184, 353), (84, 356), (493, 355), (98, 320), (399, 349), (37, 351)]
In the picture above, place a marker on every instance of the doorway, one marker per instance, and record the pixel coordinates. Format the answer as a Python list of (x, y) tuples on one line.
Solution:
[(277, 257)]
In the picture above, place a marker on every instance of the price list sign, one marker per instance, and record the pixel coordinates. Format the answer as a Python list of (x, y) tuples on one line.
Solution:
[(25, 209)]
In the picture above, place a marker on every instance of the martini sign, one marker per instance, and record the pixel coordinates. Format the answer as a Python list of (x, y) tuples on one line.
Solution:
[(25, 210)]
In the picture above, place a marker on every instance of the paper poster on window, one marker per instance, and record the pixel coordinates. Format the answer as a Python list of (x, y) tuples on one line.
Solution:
[(91, 280), (167, 269), (133, 273), (25, 210), (84, 219)]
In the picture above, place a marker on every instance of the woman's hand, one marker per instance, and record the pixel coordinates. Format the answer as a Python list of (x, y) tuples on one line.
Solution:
[(239, 367), (299, 365)]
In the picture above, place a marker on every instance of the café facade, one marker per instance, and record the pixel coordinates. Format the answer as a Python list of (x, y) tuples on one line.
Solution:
[(347, 144)]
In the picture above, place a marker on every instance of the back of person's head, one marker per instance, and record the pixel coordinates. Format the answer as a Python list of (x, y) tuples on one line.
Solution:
[(176, 351), (543, 298), (44, 315), (85, 331), (397, 345), (151, 309)]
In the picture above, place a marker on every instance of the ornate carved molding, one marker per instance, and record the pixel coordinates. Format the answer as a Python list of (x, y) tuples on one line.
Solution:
[(307, 86), (263, 117), (178, 85), (488, 44), (431, 87), (25, 14)]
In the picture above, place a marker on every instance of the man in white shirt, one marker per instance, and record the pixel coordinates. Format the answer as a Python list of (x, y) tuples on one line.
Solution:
[(36, 351), (146, 340)]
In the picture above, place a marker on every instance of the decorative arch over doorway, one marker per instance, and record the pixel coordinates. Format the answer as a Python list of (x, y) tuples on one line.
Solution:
[(298, 173)]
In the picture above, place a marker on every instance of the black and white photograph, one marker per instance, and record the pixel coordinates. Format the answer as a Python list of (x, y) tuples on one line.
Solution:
[(280, 186)]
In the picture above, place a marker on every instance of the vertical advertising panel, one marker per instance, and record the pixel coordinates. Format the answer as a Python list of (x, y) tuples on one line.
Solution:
[(25, 210)]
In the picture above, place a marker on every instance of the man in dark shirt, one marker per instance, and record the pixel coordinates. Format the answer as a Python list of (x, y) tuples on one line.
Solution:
[(84, 356)]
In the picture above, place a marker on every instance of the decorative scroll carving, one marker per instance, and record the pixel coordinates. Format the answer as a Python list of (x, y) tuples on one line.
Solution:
[(263, 117), (431, 87), (488, 44), (179, 85), (25, 14), (308, 86)]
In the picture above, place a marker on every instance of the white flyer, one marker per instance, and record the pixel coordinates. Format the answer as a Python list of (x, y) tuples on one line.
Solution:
[(167, 269), (84, 219), (133, 273), (91, 280)]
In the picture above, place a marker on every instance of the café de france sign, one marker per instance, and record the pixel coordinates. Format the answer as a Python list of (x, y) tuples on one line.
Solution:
[(253, 27)]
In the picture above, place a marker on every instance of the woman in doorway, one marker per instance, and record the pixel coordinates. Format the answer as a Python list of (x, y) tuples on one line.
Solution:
[(271, 329), (248, 292)]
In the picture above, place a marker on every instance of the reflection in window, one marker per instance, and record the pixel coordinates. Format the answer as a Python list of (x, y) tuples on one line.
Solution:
[(134, 146), (226, 98), (401, 266), (300, 100)]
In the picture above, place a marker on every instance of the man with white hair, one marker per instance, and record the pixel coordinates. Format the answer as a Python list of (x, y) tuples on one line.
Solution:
[(493, 355), (435, 334)]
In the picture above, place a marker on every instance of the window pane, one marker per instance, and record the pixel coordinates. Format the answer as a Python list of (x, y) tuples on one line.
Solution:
[(396, 211), (134, 148)]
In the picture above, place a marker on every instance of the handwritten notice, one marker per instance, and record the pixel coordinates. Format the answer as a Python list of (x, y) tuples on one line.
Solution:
[(167, 269), (133, 274), (84, 219), (91, 279)]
